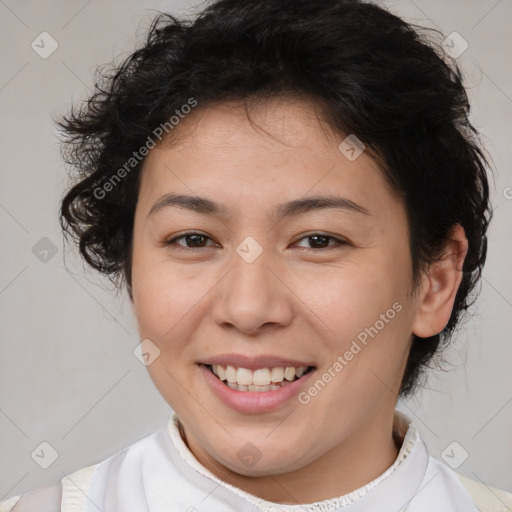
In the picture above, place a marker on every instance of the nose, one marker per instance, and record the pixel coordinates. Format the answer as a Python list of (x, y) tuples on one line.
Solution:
[(253, 296)]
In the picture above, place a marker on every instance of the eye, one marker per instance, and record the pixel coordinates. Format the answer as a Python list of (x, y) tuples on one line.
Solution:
[(196, 239), (320, 240)]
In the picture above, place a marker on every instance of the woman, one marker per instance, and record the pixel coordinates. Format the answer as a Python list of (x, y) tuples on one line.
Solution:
[(297, 203)]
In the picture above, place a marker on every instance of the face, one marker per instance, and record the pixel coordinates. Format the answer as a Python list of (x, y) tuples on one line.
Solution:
[(322, 289)]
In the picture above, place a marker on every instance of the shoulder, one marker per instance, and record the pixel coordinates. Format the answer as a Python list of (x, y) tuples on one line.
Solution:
[(54, 497), (487, 498), (43, 499), (70, 492)]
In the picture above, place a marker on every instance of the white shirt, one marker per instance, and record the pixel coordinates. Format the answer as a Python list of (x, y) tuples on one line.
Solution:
[(160, 474)]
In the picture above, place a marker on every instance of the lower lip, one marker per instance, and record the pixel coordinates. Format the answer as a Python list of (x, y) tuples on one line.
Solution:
[(255, 402)]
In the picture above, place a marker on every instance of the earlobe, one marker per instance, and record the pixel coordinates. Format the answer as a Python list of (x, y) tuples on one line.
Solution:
[(439, 286)]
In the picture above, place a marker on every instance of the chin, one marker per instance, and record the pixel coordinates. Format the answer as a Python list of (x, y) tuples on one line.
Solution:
[(262, 467), (261, 457)]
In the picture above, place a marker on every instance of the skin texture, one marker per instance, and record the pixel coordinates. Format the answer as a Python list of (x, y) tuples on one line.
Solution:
[(295, 300)]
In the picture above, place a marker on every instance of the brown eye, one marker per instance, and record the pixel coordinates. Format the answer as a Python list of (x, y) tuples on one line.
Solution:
[(193, 240), (321, 241)]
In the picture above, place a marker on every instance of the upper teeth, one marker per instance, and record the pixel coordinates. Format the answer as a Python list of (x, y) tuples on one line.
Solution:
[(260, 377)]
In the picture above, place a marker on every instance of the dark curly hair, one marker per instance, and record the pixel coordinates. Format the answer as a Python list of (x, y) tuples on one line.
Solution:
[(370, 73)]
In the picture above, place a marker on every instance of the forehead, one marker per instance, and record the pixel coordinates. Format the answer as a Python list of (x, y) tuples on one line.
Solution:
[(280, 149), (279, 125)]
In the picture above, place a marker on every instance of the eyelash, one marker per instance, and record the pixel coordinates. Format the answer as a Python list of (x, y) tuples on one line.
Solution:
[(338, 242)]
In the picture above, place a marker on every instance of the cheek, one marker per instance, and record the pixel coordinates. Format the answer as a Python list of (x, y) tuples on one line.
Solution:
[(365, 317), (161, 296), (163, 304), (351, 299), (170, 302)]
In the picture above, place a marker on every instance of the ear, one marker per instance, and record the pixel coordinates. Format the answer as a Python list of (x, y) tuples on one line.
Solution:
[(439, 286)]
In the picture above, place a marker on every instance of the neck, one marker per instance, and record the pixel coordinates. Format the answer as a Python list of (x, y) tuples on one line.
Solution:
[(355, 462)]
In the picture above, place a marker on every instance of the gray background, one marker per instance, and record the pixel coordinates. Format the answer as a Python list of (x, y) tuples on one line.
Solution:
[(68, 375)]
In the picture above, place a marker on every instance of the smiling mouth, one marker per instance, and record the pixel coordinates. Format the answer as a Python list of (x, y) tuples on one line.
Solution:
[(262, 379)]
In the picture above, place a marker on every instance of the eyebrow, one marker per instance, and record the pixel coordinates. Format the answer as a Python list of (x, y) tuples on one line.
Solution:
[(288, 209)]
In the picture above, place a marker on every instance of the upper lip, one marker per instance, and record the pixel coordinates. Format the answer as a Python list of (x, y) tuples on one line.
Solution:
[(254, 363)]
